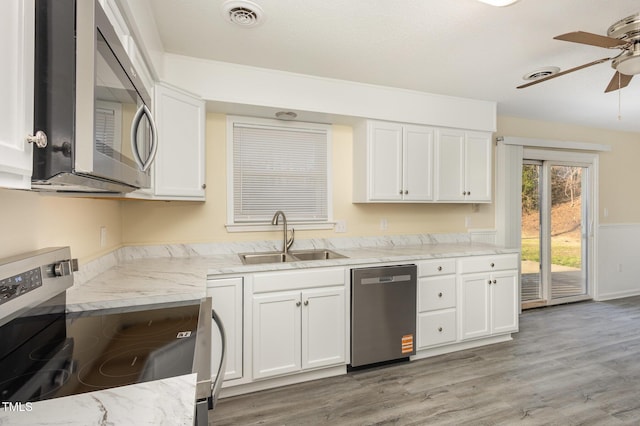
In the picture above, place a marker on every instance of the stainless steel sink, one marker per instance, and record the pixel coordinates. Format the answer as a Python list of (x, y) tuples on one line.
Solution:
[(321, 254), (293, 256), (268, 257)]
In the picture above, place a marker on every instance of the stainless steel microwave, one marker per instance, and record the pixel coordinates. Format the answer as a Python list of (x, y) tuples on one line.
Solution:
[(90, 103)]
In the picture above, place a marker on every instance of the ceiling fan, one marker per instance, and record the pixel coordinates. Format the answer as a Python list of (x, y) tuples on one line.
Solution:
[(623, 35)]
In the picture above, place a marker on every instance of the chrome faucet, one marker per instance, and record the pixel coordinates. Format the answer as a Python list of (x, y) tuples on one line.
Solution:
[(286, 243)]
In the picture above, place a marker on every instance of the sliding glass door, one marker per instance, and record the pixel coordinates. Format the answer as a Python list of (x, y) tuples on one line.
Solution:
[(555, 237)]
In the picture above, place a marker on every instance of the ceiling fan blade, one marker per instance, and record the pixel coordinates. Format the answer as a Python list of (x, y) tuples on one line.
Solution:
[(618, 81), (591, 39), (540, 80)]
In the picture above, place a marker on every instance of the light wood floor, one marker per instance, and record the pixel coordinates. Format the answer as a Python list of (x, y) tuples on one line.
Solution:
[(573, 364)]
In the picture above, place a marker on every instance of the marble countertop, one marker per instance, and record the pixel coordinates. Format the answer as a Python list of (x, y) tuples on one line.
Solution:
[(172, 273), (163, 402), (141, 282)]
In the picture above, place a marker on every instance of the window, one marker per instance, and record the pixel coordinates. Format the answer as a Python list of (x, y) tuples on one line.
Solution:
[(277, 165)]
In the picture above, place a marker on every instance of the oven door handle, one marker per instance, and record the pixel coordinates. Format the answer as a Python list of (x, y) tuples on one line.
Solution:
[(217, 384)]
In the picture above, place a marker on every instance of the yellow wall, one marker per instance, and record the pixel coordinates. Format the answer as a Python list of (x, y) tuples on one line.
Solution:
[(31, 221), (619, 171), (155, 222)]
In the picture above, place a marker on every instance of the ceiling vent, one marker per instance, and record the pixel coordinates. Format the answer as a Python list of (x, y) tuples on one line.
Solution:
[(243, 13), (541, 73)]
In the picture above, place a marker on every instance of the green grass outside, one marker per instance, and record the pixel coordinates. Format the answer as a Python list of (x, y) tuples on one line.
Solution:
[(562, 252)]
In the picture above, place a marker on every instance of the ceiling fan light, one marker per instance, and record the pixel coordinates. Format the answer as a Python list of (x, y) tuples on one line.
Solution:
[(499, 3), (629, 66)]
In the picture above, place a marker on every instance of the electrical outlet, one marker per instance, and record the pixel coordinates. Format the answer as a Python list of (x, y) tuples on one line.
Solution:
[(341, 226), (384, 224), (103, 236), (467, 221)]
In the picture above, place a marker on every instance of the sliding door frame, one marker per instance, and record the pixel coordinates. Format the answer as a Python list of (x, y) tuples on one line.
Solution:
[(509, 156)]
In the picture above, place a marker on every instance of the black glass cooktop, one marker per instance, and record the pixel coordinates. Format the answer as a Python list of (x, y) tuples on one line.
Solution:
[(76, 353)]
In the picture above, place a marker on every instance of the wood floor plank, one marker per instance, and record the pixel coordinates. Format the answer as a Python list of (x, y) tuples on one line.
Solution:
[(575, 364)]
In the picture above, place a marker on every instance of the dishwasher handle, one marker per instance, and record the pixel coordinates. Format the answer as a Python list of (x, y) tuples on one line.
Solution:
[(386, 279)]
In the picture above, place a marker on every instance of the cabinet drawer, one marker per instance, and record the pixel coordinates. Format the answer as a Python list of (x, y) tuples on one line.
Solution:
[(430, 268), (488, 263), (436, 328), (436, 293)]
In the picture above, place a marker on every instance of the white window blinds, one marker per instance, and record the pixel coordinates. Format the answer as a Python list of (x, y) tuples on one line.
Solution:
[(279, 168)]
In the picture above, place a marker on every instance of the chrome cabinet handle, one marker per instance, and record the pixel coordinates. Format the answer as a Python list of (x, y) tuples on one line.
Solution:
[(489, 282), (298, 303), (306, 303), (495, 282), (39, 139), (406, 191), (440, 329), (493, 264), (440, 294), (439, 268), (153, 148)]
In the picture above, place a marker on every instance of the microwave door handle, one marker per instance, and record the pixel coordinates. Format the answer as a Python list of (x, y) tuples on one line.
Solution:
[(143, 165), (153, 150)]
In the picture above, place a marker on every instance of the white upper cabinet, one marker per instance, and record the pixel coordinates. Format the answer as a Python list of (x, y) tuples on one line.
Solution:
[(179, 167), (463, 166), (17, 19), (393, 162)]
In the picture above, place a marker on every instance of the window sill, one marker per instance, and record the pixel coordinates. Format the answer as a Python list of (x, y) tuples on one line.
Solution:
[(257, 227)]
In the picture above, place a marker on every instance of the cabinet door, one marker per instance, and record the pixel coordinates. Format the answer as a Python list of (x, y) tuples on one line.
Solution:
[(180, 163), (276, 334), (449, 165), (418, 163), (478, 166), (226, 297), (474, 306), (385, 161), (323, 327), (504, 302), (17, 19)]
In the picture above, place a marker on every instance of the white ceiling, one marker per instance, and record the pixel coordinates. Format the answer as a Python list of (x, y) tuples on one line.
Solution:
[(453, 47)]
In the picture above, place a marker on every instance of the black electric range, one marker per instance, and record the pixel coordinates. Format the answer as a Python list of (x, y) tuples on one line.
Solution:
[(48, 353)]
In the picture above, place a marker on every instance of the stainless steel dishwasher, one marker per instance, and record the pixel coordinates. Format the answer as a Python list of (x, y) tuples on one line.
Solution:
[(383, 314)]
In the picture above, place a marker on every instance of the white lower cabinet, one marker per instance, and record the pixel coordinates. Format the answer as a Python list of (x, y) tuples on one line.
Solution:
[(436, 303), (489, 296), (226, 296), (297, 330)]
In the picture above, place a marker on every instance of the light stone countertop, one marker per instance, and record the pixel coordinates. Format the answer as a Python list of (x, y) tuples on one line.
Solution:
[(167, 402), (173, 273)]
